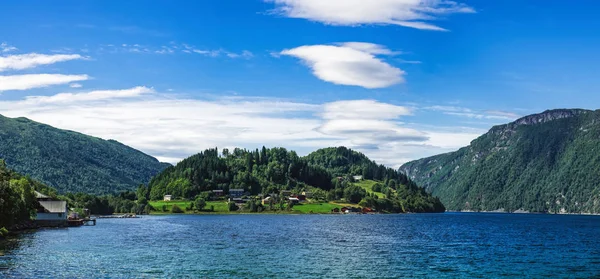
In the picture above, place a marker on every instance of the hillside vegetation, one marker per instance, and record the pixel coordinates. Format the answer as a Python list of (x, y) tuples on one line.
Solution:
[(17, 197), (326, 172), (547, 162), (73, 162)]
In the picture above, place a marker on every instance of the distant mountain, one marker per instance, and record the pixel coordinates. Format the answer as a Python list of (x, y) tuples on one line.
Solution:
[(73, 162), (547, 162)]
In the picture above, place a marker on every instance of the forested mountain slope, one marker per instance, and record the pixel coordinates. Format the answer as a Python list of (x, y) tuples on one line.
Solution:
[(547, 162), (73, 162)]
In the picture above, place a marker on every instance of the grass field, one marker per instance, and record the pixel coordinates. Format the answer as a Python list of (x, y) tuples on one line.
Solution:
[(368, 186), (222, 207), (219, 206), (315, 207)]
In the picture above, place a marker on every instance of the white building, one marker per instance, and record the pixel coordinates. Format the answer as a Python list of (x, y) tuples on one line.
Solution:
[(52, 210), (167, 198), (357, 177)]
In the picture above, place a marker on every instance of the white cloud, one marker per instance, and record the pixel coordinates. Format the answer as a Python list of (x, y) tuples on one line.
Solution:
[(171, 128), (91, 96), (32, 60), (349, 64), (363, 109), (4, 47), (408, 13), (371, 48), (469, 113), (25, 82), (75, 85)]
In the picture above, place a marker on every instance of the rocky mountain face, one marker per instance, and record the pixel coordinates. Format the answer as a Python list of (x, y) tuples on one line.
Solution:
[(547, 162)]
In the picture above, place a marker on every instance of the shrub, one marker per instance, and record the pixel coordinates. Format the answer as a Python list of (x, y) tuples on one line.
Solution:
[(232, 206), (176, 209), (3, 232)]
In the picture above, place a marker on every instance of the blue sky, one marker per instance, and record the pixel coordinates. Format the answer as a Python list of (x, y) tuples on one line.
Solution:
[(395, 79)]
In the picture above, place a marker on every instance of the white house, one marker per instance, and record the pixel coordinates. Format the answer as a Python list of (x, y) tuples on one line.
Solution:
[(52, 210), (167, 198), (357, 177)]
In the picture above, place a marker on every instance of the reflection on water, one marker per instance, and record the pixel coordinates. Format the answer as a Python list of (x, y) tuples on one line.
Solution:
[(312, 246)]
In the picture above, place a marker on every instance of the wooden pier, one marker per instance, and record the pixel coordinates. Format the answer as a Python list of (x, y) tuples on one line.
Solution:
[(81, 222)]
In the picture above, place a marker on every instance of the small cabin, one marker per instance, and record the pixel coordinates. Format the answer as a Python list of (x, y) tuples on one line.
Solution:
[(357, 177), (293, 200), (52, 210), (308, 195), (167, 198), (218, 193), (236, 193)]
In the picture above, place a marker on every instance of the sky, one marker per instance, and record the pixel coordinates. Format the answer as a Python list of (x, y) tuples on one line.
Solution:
[(395, 79)]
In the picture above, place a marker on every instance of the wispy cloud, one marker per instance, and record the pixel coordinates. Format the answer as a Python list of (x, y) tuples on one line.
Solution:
[(173, 48), (408, 13), (349, 64), (477, 114), (5, 47), (25, 82), (90, 96), (32, 60), (75, 85)]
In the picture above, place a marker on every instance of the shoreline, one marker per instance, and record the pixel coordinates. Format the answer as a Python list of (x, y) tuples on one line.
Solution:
[(524, 212)]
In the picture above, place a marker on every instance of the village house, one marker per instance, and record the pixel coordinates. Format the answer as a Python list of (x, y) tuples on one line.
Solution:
[(266, 201), (357, 177), (236, 193), (218, 193), (307, 194), (293, 200), (167, 198)]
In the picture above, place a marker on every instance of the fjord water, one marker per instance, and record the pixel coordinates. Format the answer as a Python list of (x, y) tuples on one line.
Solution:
[(450, 245)]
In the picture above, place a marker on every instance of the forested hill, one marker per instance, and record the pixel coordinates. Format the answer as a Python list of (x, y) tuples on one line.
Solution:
[(275, 169), (73, 162), (547, 162)]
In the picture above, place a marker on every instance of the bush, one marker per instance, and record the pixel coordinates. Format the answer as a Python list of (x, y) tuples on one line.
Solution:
[(3, 232), (232, 206), (176, 209)]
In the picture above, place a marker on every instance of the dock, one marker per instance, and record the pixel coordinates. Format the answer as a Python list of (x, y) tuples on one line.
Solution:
[(81, 222)]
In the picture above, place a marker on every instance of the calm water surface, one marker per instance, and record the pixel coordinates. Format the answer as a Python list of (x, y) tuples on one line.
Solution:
[(450, 245)]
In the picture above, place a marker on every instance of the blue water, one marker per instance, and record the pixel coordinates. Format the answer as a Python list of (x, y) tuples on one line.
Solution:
[(450, 245)]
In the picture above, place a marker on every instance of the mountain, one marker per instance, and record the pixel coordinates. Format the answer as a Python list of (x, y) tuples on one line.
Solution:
[(546, 162), (73, 162)]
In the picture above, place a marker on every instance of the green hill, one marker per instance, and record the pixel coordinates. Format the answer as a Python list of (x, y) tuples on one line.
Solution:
[(326, 172), (73, 162), (401, 192), (547, 162)]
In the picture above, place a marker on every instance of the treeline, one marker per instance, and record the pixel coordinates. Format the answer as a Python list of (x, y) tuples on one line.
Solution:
[(124, 202), (258, 171), (17, 197)]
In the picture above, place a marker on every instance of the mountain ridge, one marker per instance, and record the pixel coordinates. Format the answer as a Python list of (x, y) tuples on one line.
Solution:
[(545, 162), (70, 161)]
